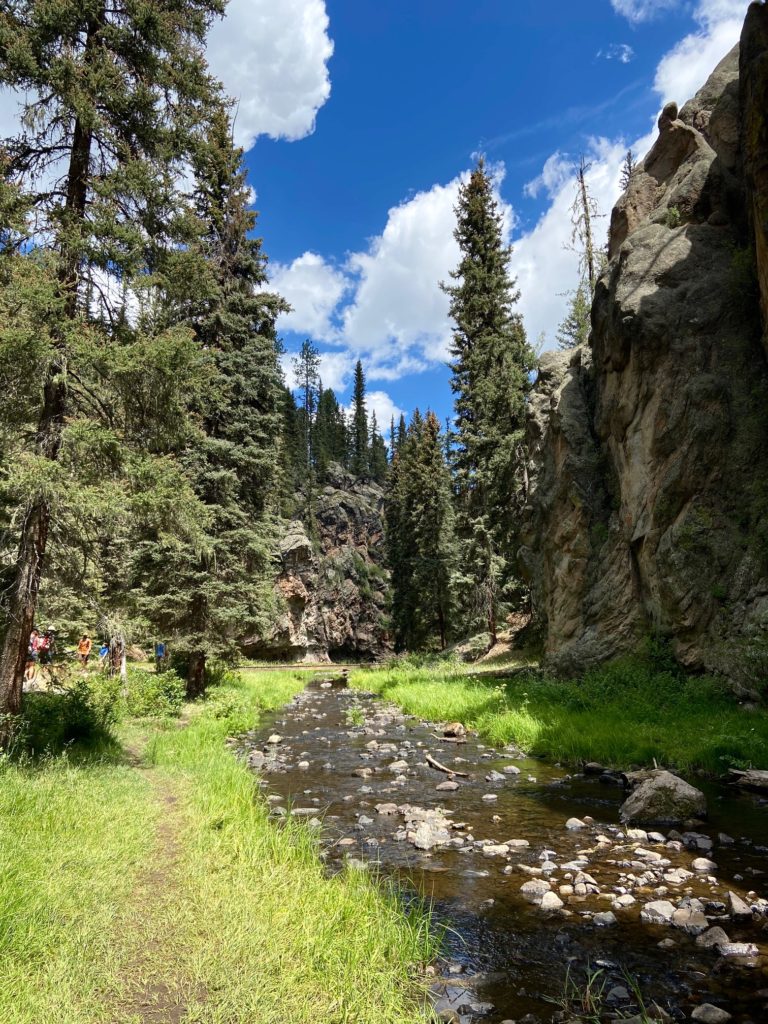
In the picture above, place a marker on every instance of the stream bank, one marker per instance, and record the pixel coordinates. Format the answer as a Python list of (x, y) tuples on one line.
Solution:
[(525, 898)]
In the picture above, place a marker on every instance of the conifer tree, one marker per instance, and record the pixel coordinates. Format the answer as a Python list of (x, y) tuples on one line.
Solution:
[(113, 100), (306, 368), (331, 442), (378, 453), (420, 537), (574, 329), (360, 461), (206, 600), (492, 363)]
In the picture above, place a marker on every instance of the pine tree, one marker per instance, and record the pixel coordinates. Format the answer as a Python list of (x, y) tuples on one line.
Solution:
[(306, 368), (574, 329), (492, 365), (331, 442), (360, 461), (206, 600), (114, 99), (420, 538), (378, 453)]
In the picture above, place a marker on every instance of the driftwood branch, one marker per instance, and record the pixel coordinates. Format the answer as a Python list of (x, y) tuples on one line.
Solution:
[(449, 739), (441, 768)]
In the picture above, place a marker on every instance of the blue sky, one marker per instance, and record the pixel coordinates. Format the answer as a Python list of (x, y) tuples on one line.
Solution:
[(360, 117)]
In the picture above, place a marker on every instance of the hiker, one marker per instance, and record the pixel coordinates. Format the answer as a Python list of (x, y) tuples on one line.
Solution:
[(46, 646), (103, 654), (160, 656), (33, 656), (84, 649)]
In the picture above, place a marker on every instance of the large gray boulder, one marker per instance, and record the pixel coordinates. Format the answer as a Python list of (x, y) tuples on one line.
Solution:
[(663, 799)]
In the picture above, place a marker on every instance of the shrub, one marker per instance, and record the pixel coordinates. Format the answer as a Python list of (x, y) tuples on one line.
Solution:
[(153, 695), (82, 714)]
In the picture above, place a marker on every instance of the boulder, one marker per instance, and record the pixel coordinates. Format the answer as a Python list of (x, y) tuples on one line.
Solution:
[(706, 1013), (534, 890), (663, 799), (658, 912)]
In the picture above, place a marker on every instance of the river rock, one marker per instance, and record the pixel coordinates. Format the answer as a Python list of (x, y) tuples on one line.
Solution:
[(663, 798), (551, 901), (574, 824), (454, 730), (677, 876), (494, 776), (534, 890), (703, 865), (398, 766), (427, 835), (386, 809), (605, 919), (517, 844), (495, 850), (489, 798), (274, 739), (690, 920), (737, 949), (738, 908), (511, 769), (709, 1014), (712, 937), (657, 912), (447, 787)]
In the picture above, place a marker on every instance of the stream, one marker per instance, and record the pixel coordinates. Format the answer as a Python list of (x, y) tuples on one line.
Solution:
[(357, 767)]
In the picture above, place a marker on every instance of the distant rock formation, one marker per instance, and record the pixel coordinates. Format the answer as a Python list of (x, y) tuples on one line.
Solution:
[(332, 593), (648, 499)]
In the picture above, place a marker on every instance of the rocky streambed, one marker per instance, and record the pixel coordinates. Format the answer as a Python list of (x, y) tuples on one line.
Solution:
[(529, 866)]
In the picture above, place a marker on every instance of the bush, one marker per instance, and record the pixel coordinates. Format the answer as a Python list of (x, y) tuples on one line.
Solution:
[(82, 714), (153, 695)]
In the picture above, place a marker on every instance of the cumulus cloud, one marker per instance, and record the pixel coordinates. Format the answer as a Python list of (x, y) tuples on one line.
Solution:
[(314, 289), (335, 369), (622, 52), (273, 59), (636, 11), (557, 170), (685, 68)]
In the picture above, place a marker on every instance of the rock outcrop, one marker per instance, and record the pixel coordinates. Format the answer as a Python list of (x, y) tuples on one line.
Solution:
[(648, 499), (332, 592)]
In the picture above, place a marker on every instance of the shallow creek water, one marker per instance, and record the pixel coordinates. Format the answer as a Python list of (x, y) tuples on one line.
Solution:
[(503, 957)]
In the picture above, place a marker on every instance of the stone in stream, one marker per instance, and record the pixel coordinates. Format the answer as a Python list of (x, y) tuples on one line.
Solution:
[(447, 787), (709, 1014), (604, 920), (275, 738), (517, 844), (454, 730), (677, 876), (534, 890), (625, 900), (657, 912), (712, 937), (511, 769), (551, 901), (703, 865), (363, 773), (386, 809), (398, 766), (663, 798), (574, 824), (738, 908), (690, 920), (489, 798), (494, 776), (495, 850)]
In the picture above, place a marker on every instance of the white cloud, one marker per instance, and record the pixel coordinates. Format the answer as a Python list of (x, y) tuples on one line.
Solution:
[(686, 67), (557, 169), (622, 52), (636, 11), (273, 59), (335, 369), (314, 289), (385, 409)]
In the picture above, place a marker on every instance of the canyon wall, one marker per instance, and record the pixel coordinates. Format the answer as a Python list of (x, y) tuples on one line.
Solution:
[(648, 503)]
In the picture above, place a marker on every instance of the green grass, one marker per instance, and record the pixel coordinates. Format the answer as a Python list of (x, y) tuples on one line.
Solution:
[(73, 840), (628, 712), (168, 882)]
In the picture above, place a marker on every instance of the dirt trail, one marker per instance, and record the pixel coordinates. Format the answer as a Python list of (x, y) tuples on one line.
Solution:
[(153, 990)]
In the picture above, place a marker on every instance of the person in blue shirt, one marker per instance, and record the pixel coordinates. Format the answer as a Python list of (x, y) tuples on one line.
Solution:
[(159, 656)]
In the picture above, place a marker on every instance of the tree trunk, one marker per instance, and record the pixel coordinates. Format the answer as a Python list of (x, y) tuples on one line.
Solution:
[(34, 532), (196, 676), (441, 626), (588, 244)]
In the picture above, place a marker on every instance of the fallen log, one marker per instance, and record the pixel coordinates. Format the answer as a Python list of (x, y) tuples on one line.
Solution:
[(753, 778), (441, 768), (449, 739)]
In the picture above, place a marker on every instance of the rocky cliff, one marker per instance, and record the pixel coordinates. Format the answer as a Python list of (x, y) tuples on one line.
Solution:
[(648, 501), (332, 590)]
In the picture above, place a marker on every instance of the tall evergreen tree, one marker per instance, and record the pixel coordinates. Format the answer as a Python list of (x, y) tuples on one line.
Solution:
[(378, 453), (331, 441), (113, 100), (360, 461), (492, 363), (206, 600), (420, 538), (574, 329), (306, 368)]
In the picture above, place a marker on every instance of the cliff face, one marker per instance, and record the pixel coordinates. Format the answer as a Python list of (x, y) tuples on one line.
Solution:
[(332, 593), (648, 503)]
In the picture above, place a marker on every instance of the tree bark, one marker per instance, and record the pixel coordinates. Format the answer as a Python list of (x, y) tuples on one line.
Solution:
[(196, 676)]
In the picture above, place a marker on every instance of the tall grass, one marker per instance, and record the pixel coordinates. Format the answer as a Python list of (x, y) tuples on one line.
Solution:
[(282, 942), (167, 884), (627, 712)]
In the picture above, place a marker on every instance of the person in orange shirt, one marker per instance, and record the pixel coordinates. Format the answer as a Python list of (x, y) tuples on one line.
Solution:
[(84, 649)]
